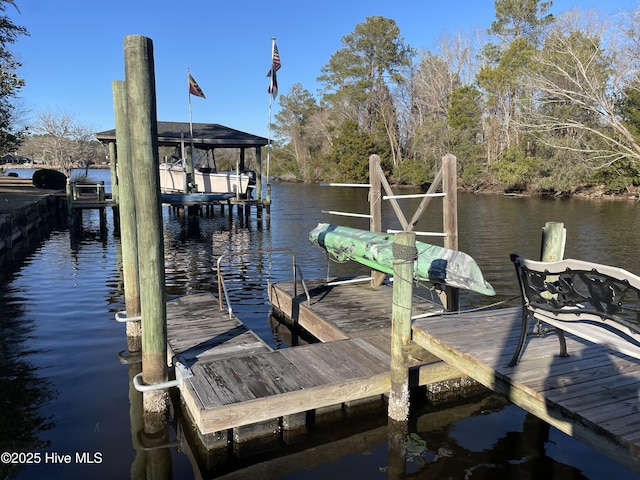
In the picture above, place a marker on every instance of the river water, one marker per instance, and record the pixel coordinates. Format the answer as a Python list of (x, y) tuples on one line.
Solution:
[(65, 392)]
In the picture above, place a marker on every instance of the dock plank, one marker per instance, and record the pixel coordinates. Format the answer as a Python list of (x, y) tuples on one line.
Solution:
[(237, 380), (198, 330), (591, 395), (353, 310)]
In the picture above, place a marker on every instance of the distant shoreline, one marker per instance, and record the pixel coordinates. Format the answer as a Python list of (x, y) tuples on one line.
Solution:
[(28, 166)]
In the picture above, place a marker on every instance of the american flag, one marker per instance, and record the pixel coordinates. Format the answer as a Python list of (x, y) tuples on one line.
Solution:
[(275, 66), (275, 60)]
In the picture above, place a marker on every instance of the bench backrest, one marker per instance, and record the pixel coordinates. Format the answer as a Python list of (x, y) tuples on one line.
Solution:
[(578, 290)]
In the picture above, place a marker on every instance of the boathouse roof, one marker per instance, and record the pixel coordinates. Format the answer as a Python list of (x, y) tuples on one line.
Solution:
[(205, 136)]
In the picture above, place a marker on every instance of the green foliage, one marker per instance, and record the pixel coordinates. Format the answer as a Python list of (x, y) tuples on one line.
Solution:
[(349, 156), (619, 176), (414, 172), (515, 171), (355, 75), (465, 134), (521, 18), (629, 107), (536, 117), (464, 112), (475, 176), (10, 82)]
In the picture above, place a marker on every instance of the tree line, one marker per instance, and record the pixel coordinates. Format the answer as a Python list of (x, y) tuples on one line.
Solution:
[(537, 103)]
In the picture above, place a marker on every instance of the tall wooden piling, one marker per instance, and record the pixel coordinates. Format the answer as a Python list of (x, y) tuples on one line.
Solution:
[(450, 219), (143, 129), (404, 256), (115, 190), (375, 210), (127, 213)]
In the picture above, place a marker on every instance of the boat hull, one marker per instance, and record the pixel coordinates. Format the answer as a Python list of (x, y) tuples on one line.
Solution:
[(194, 198), (434, 263), (173, 178)]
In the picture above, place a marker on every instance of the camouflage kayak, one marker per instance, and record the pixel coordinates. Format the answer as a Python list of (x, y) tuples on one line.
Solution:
[(434, 264)]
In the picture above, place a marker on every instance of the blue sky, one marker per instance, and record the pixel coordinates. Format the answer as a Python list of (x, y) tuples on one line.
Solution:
[(76, 49)]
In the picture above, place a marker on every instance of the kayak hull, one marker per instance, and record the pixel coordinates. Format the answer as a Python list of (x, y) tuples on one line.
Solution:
[(374, 249)]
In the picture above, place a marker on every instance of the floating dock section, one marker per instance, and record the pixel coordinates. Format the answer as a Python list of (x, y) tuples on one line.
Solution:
[(240, 386)]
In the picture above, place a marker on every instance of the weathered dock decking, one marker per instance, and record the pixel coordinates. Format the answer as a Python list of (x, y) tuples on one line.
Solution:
[(592, 395), (337, 312), (238, 380)]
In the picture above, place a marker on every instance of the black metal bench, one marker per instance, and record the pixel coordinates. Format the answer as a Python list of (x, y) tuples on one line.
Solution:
[(596, 302)]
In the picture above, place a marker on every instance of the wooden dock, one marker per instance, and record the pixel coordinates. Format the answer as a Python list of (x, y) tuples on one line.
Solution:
[(238, 380), (592, 395)]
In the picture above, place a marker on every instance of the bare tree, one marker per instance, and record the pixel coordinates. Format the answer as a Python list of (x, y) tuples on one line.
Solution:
[(583, 72), (62, 141), (424, 104)]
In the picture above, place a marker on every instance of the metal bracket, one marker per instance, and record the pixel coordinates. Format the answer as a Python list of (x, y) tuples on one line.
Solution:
[(181, 372), (122, 317)]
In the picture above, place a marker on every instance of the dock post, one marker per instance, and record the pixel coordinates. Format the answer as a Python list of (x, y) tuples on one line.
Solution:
[(143, 136), (259, 174), (554, 237), (404, 256), (69, 192), (127, 213), (268, 201), (375, 210), (450, 219), (115, 194)]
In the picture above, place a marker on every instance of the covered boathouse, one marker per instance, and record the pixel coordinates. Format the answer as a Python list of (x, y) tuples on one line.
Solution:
[(207, 137)]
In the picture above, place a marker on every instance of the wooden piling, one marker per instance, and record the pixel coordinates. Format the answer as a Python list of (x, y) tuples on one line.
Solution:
[(259, 174), (115, 188), (143, 135), (375, 210), (554, 237), (127, 213), (404, 256), (450, 219)]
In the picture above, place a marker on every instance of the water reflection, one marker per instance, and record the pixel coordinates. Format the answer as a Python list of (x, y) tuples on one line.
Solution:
[(24, 386)]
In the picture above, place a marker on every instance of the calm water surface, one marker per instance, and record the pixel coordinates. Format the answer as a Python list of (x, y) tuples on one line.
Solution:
[(64, 390)]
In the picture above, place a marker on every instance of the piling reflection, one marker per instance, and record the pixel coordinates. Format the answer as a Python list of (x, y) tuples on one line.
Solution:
[(474, 439)]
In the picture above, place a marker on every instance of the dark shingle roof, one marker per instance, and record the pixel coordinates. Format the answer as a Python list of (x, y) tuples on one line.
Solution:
[(205, 136)]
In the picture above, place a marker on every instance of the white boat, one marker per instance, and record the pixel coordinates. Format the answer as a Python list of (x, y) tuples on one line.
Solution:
[(173, 179)]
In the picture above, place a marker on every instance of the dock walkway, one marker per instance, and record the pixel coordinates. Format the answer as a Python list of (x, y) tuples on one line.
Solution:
[(592, 395), (238, 380)]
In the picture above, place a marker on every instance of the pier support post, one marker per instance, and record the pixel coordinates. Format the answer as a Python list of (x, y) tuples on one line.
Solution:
[(450, 219), (554, 237), (143, 135), (404, 256), (375, 210), (127, 214), (115, 193)]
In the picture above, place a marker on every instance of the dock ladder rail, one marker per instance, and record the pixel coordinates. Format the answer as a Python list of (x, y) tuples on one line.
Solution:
[(222, 288)]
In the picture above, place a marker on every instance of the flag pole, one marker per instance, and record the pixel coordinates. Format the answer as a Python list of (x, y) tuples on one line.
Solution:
[(273, 43), (188, 161)]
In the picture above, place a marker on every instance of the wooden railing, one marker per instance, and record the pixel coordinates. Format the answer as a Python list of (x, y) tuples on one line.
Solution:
[(445, 180)]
